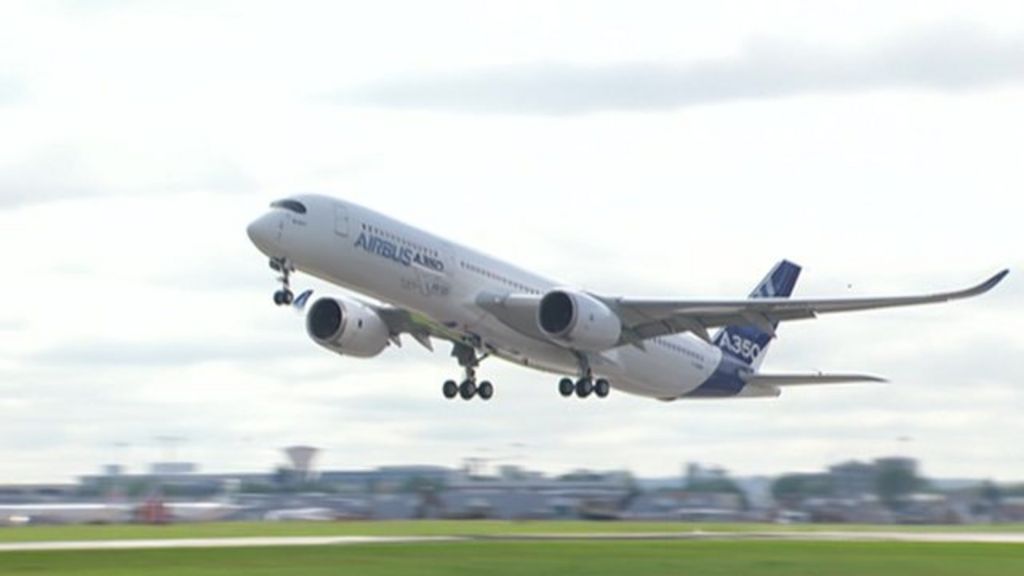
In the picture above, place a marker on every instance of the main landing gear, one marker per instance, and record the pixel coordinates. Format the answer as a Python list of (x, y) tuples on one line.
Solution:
[(284, 296), (468, 388), (585, 385)]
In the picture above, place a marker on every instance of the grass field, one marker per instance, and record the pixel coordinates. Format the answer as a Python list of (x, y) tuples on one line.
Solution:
[(634, 558), (426, 528)]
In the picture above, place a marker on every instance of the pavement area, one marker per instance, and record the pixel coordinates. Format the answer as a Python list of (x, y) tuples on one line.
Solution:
[(886, 536)]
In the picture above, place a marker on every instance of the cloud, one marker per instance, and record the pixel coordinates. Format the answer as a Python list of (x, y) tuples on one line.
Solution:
[(172, 353), (70, 171), (12, 91), (952, 58), (11, 325), (54, 175), (162, 353)]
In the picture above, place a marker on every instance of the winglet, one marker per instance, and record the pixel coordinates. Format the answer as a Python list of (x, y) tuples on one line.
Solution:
[(987, 284), (300, 302)]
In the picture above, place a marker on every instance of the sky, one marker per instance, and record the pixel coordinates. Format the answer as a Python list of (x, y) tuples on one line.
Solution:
[(661, 149)]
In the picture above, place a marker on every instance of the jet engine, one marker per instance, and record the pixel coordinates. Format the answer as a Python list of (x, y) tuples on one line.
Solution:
[(578, 320), (347, 327)]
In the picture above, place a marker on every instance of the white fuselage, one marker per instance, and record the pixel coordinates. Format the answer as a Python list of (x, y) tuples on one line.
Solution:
[(377, 256)]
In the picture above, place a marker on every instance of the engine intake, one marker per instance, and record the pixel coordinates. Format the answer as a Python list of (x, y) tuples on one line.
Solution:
[(578, 320), (347, 327), (325, 319), (557, 313)]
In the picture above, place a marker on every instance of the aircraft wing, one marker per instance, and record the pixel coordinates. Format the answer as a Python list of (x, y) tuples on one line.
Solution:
[(643, 319)]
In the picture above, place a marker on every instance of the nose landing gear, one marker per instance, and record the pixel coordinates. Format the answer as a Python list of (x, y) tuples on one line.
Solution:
[(284, 296)]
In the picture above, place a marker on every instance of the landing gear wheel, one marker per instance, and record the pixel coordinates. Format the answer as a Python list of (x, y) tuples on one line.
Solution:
[(450, 389), (602, 388), (283, 297), (485, 390), (467, 390), (584, 386), (566, 387)]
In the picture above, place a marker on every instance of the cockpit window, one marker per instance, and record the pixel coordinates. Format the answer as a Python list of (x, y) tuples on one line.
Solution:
[(289, 204)]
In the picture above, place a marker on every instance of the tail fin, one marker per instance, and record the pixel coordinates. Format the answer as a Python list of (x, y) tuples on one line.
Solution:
[(748, 343)]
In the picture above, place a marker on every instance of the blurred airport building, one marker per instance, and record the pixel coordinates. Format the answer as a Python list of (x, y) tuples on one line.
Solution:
[(886, 490)]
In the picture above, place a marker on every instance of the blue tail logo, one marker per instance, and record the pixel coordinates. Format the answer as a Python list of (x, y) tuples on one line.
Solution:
[(747, 343)]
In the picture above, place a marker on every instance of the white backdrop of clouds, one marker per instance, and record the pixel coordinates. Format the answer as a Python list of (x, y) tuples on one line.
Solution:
[(948, 59), (663, 149)]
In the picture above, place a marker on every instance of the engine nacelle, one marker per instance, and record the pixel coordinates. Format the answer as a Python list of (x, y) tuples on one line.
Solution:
[(579, 321), (347, 327)]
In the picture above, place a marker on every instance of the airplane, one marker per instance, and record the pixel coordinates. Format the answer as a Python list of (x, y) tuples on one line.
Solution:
[(64, 513), (418, 284), (113, 512)]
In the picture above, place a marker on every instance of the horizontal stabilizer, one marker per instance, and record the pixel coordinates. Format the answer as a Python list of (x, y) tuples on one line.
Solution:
[(807, 379)]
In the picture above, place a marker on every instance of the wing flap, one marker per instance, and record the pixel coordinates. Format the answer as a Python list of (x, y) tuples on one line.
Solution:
[(421, 328)]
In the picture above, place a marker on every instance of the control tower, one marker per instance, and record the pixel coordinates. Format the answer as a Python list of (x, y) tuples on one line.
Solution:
[(301, 460)]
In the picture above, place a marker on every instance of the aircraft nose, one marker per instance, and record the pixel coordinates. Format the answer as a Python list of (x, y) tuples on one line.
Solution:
[(264, 231)]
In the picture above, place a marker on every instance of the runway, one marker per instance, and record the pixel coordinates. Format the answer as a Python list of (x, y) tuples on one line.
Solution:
[(259, 542), (823, 536), (247, 542)]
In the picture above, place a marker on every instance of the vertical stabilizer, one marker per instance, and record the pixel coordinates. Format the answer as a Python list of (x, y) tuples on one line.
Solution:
[(748, 343)]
